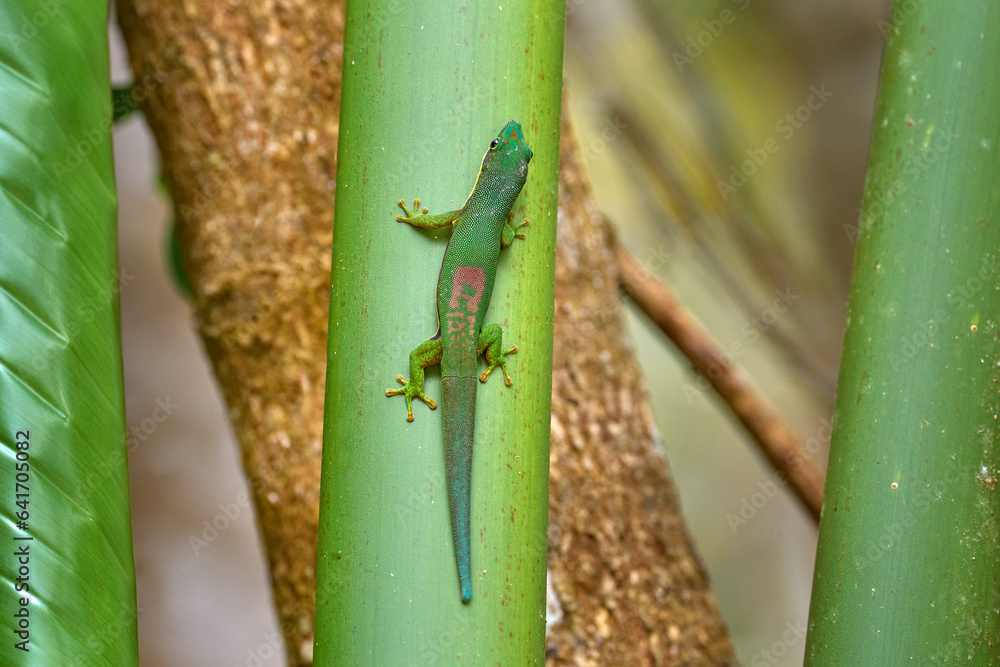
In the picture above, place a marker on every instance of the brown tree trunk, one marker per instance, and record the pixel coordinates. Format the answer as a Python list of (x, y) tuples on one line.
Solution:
[(244, 108), (631, 586)]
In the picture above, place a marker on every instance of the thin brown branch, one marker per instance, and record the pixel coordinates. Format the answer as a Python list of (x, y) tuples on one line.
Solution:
[(775, 438)]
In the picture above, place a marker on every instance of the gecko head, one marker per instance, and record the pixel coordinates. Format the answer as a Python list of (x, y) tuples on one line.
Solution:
[(508, 153)]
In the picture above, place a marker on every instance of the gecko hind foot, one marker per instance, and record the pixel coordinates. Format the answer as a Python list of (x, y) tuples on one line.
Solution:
[(502, 363), (411, 390)]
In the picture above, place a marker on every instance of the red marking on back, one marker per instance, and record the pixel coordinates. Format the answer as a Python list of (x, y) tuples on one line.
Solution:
[(460, 326), (467, 276)]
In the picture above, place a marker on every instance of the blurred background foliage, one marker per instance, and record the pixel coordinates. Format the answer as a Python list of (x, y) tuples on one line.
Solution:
[(668, 98), (727, 142)]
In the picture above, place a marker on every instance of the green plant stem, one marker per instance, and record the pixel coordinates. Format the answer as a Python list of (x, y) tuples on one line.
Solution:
[(906, 571), (425, 90)]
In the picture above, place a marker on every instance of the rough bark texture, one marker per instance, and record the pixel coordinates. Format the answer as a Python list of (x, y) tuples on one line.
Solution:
[(243, 101), (632, 588)]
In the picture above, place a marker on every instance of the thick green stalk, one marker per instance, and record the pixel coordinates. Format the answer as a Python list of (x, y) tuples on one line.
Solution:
[(426, 88), (69, 581), (906, 571)]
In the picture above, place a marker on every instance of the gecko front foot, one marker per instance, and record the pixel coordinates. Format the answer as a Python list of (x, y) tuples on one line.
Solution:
[(410, 215), (512, 231), (524, 223), (411, 390)]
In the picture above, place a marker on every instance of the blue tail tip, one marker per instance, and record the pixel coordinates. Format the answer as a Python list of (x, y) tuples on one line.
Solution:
[(466, 591)]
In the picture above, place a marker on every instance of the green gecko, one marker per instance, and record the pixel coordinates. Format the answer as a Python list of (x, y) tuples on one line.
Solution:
[(481, 227)]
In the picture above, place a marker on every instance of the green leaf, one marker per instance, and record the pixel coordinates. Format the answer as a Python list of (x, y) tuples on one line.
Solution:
[(61, 394), (176, 260), (123, 103), (425, 91), (906, 571)]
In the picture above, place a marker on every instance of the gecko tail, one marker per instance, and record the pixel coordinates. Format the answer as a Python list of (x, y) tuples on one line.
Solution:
[(458, 400), (465, 580)]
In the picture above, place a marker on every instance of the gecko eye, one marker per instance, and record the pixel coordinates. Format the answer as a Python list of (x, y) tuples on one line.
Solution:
[(494, 144)]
